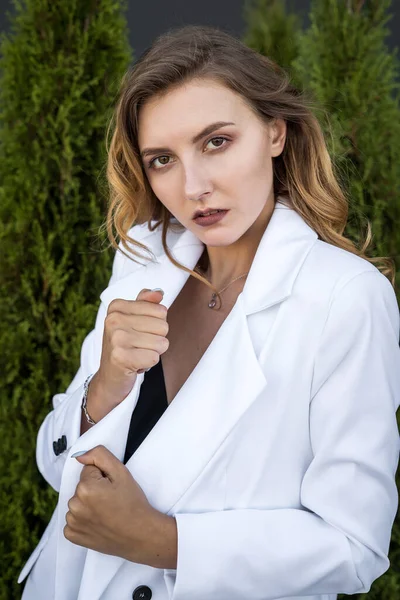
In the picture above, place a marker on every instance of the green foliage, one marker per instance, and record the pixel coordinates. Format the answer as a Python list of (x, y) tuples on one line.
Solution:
[(60, 70), (273, 31)]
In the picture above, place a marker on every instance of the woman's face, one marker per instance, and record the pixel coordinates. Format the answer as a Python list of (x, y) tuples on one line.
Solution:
[(227, 168)]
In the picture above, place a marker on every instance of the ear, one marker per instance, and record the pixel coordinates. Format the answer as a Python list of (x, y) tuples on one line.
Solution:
[(277, 136)]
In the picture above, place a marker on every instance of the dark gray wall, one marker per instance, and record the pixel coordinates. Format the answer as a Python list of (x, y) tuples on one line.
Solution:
[(148, 19), (155, 16), (158, 15)]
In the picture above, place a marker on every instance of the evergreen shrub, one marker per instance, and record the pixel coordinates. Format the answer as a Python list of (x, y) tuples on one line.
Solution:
[(60, 68)]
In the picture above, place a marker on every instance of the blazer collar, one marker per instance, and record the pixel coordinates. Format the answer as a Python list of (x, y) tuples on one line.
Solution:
[(280, 254)]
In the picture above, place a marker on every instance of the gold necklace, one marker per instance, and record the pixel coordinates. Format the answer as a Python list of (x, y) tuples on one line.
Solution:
[(212, 303)]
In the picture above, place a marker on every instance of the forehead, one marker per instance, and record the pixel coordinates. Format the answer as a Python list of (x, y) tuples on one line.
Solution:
[(186, 109)]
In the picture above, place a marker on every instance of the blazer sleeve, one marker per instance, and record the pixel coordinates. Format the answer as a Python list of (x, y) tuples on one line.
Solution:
[(339, 541), (65, 418)]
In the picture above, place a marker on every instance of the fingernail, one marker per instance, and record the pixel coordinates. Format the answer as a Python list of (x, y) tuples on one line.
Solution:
[(78, 453), (158, 290)]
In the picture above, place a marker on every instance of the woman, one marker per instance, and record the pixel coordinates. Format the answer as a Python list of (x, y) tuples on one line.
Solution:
[(231, 432)]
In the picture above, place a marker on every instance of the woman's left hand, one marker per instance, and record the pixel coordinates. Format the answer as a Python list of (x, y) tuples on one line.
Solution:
[(109, 511)]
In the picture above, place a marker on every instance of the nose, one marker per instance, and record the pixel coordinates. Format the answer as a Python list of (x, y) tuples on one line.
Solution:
[(196, 183)]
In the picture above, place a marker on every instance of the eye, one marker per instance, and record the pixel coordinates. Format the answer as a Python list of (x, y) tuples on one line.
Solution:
[(150, 164), (218, 138)]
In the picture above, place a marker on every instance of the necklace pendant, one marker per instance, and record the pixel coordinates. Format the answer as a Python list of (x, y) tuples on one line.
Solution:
[(212, 302)]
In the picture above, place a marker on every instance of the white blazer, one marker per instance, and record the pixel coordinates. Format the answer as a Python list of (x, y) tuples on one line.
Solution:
[(278, 455)]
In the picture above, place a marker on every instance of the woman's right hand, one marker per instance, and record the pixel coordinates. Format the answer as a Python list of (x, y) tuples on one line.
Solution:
[(134, 338)]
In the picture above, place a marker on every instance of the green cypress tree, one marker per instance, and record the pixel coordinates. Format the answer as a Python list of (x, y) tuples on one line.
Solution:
[(345, 63), (273, 30), (61, 66)]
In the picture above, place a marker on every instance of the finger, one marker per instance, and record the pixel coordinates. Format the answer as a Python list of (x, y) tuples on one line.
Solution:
[(91, 472), (137, 323), (154, 295), (103, 459), (74, 504), (147, 302)]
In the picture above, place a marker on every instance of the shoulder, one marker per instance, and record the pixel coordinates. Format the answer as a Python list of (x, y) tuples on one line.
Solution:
[(337, 261), (336, 282), (328, 269), (356, 290)]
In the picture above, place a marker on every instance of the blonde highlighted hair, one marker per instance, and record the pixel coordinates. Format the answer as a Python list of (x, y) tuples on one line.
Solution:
[(303, 173)]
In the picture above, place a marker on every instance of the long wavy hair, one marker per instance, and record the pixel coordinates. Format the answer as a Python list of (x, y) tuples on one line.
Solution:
[(303, 173)]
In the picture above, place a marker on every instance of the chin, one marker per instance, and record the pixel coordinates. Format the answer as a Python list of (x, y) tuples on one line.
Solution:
[(220, 238)]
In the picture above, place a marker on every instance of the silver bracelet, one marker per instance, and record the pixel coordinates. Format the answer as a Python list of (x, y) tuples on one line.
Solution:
[(84, 400)]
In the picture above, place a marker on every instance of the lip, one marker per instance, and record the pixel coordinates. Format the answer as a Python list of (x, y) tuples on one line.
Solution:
[(199, 213), (210, 219)]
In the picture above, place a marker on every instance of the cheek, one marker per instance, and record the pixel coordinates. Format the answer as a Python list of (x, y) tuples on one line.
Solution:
[(248, 161), (165, 188), (251, 179)]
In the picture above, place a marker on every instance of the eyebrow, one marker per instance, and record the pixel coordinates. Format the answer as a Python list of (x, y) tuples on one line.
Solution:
[(209, 129)]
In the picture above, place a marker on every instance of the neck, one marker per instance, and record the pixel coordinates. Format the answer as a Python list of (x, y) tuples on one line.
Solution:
[(223, 264)]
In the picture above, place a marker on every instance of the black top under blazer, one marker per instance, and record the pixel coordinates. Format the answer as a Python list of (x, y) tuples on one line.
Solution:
[(151, 404)]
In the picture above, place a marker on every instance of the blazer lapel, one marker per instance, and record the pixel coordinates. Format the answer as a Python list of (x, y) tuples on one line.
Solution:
[(221, 388), (111, 432)]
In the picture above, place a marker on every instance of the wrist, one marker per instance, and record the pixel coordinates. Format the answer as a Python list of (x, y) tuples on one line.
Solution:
[(101, 400), (164, 542), (98, 403)]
